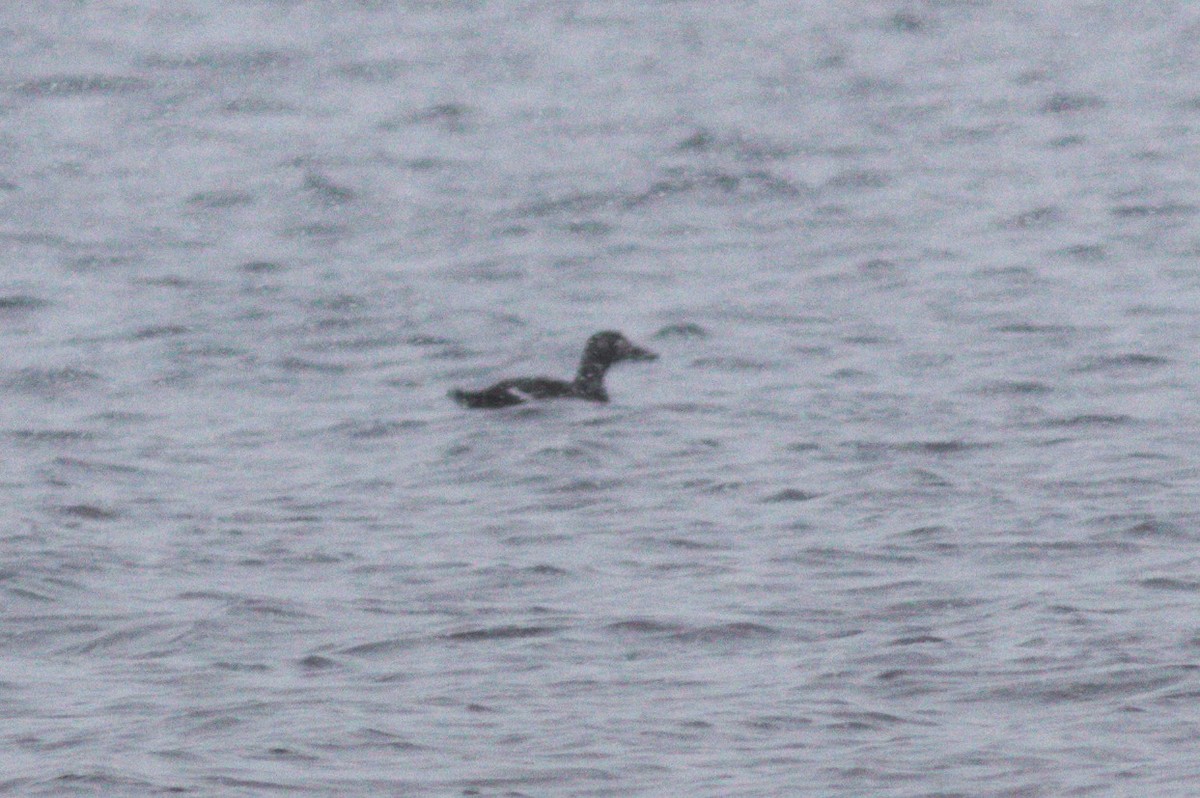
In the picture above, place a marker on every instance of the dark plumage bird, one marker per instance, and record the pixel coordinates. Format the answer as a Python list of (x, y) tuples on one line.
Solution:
[(602, 350)]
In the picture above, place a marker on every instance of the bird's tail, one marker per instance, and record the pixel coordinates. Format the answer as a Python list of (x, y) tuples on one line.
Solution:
[(462, 397)]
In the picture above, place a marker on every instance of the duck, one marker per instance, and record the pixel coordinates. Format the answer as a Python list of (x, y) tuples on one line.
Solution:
[(600, 352)]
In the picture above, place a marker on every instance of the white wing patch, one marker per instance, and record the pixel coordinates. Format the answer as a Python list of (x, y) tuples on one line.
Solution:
[(518, 394)]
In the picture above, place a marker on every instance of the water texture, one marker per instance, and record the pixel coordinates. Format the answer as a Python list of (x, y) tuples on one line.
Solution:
[(907, 506)]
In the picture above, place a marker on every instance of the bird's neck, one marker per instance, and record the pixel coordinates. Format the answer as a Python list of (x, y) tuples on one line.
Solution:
[(589, 381)]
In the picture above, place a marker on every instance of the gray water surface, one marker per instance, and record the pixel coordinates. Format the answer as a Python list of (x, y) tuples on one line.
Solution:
[(907, 506)]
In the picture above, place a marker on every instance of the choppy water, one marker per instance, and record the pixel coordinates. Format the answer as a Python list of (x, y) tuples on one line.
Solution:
[(908, 506)]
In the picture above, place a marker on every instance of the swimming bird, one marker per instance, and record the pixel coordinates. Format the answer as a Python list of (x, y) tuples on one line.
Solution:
[(601, 351)]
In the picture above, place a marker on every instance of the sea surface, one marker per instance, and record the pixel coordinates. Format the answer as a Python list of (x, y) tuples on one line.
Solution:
[(908, 506)]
